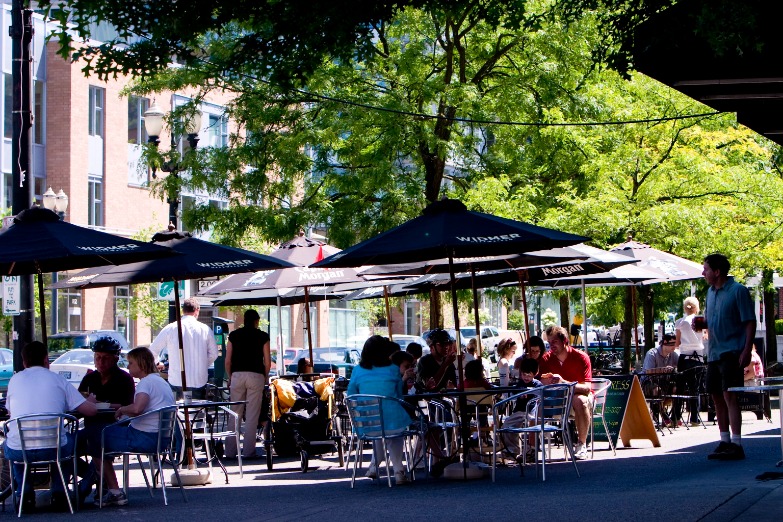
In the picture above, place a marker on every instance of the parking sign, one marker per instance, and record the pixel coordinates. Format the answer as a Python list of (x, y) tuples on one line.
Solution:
[(10, 295)]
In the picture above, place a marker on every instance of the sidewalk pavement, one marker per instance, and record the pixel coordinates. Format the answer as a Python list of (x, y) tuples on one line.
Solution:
[(673, 482)]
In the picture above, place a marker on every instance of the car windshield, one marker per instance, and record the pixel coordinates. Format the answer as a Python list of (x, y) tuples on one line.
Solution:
[(76, 357), (328, 356), (467, 332), (64, 344)]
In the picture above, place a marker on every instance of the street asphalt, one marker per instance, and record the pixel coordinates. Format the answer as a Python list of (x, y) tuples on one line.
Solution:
[(672, 482)]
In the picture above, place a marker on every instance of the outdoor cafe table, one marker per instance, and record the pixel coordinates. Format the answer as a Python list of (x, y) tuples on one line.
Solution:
[(194, 407), (763, 388), (463, 396)]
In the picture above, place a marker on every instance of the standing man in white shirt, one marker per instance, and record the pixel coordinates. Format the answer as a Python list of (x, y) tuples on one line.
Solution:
[(200, 350)]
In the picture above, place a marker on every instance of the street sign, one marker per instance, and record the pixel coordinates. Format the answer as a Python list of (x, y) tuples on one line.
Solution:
[(11, 295), (166, 290)]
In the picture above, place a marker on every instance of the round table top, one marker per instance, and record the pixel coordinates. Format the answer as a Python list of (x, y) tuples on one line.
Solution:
[(759, 387)]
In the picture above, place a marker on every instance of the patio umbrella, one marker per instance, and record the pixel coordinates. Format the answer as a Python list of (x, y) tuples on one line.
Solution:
[(38, 241), (446, 229)]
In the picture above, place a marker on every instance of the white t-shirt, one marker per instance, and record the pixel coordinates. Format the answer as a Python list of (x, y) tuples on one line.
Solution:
[(160, 395), (39, 390), (199, 346), (690, 340), (503, 372)]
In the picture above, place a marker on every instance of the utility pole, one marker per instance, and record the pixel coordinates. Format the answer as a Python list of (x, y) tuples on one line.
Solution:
[(21, 32)]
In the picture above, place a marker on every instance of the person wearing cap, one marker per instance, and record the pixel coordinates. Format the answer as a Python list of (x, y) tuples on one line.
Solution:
[(199, 347), (435, 371), (247, 368), (109, 384)]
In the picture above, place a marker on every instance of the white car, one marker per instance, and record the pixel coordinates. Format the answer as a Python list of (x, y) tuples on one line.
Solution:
[(75, 364), (405, 340)]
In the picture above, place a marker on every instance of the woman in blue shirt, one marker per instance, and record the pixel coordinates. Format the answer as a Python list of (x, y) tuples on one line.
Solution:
[(376, 375)]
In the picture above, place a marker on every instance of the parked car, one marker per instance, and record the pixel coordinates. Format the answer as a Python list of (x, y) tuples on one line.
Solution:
[(75, 364), (63, 342), (490, 337), (336, 360), (405, 340), (6, 368)]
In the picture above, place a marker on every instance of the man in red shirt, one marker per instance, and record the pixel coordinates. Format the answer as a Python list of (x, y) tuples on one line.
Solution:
[(564, 364)]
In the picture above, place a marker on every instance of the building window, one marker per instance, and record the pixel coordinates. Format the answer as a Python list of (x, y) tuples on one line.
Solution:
[(8, 188), (39, 129), (122, 301), (217, 131), (136, 108), (95, 116), (95, 201), (8, 106)]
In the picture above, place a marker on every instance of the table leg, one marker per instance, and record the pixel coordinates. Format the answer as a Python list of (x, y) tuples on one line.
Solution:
[(780, 410)]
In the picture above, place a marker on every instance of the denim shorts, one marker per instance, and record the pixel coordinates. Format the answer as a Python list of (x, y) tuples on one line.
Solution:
[(129, 439)]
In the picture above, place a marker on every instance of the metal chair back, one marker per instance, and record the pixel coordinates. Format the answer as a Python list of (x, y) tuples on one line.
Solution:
[(165, 450), (366, 413), (600, 388), (41, 431)]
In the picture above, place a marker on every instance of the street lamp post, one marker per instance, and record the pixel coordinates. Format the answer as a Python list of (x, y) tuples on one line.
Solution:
[(153, 124), (59, 204)]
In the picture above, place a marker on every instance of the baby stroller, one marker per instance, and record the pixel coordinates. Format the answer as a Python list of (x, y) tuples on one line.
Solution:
[(302, 421)]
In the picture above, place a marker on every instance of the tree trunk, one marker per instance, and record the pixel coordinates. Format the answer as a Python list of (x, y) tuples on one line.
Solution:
[(436, 315), (565, 311), (625, 328)]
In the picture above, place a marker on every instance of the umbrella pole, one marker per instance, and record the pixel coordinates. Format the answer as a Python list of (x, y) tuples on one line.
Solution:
[(635, 324), (463, 401), (307, 322), (280, 351), (42, 302), (475, 313), (388, 311), (584, 317), (523, 294), (190, 476)]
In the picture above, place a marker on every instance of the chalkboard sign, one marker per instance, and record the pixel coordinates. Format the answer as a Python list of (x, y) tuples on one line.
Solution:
[(616, 402)]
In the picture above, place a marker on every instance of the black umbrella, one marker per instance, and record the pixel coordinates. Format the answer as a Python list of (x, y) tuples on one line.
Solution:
[(38, 241), (200, 259), (446, 229)]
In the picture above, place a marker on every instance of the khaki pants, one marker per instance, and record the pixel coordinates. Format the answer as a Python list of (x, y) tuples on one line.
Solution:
[(245, 386)]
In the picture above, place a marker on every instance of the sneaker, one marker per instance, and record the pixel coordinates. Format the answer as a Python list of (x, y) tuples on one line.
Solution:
[(372, 473), (59, 501), (112, 499), (580, 451), (732, 452), (695, 423), (715, 455), (400, 478)]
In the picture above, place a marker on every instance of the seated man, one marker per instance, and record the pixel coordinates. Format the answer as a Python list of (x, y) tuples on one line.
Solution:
[(661, 359), (564, 364), (109, 384), (435, 371), (38, 390)]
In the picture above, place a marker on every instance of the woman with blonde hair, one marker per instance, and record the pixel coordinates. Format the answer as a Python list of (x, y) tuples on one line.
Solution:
[(689, 343)]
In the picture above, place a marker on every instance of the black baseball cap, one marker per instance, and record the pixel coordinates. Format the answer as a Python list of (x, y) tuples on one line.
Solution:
[(439, 335)]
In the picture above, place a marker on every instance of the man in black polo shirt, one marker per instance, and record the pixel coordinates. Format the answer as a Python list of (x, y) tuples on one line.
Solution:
[(247, 368), (108, 383)]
